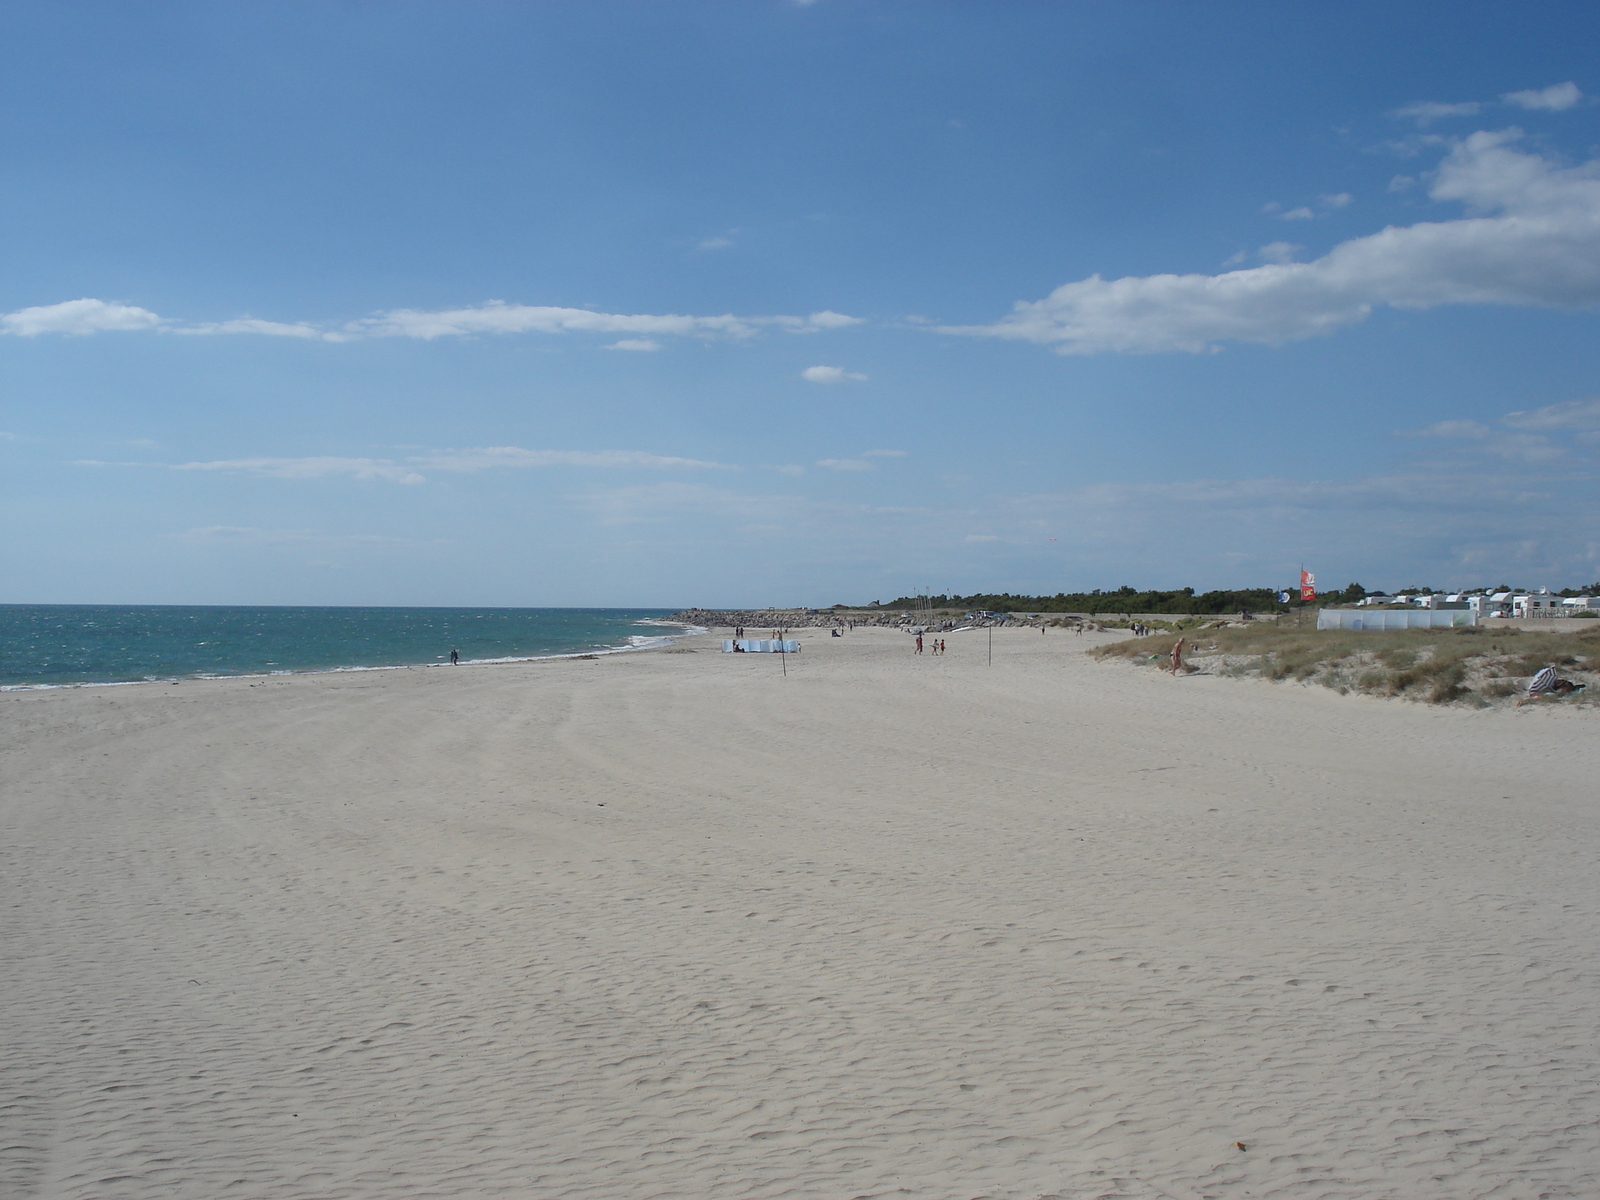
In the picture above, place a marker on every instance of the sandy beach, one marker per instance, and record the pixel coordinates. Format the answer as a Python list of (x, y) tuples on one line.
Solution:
[(674, 924)]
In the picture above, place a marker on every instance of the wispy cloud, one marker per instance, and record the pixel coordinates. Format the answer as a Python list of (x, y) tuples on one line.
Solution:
[(414, 468), (1279, 252), (1450, 429), (844, 464), (1556, 98), (487, 458), (1533, 437), (884, 453), (87, 316), (715, 243), (1541, 247), (320, 467), (1581, 415), (265, 328), (830, 375), (1425, 112), (498, 317)]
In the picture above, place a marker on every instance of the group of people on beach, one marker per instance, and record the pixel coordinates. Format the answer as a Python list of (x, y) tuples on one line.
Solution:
[(936, 645)]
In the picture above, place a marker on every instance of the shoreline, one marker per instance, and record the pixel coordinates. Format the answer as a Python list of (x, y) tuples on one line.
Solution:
[(647, 643)]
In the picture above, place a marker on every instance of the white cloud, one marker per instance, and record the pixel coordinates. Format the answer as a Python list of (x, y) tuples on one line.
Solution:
[(410, 470), (309, 468), (1542, 247), (1479, 440), (1279, 252), (1583, 415), (1299, 214), (844, 464), (1451, 429), (496, 316), (266, 328), (1337, 200), (828, 319), (1531, 438), (1426, 112), (1524, 448), (716, 243), (493, 457), (1557, 98), (829, 375), (884, 453), (78, 317)]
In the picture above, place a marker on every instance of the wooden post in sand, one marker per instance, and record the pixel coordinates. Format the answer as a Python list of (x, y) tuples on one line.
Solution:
[(991, 645)]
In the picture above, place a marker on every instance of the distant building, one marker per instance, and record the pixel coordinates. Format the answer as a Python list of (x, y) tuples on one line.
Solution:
[(1536, 604)]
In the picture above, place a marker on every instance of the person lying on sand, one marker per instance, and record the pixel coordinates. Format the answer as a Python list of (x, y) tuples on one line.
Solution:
[(1545, 683)]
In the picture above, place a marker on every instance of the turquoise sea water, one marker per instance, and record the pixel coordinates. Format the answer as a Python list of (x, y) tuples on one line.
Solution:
[(44, 645)]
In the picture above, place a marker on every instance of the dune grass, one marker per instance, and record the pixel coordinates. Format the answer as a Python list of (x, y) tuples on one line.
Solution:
[(1476, 665)]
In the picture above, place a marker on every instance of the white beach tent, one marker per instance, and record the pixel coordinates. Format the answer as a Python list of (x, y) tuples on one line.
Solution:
[(1422, 618)]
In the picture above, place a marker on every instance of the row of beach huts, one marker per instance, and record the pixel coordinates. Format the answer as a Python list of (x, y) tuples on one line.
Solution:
[(1435, 609), (1492, 604)]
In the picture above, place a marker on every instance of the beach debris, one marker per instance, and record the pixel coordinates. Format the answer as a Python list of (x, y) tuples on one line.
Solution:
[(1240, 1146)]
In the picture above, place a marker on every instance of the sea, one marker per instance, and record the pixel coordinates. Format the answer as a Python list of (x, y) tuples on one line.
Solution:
[(76, 645)]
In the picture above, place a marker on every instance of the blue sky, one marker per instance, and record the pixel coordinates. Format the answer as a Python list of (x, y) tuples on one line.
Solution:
[(769, 303)]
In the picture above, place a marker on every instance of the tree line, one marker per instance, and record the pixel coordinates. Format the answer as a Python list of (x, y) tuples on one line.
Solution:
[(1184, 601)]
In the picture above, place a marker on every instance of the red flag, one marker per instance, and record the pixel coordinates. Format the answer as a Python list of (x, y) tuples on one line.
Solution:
[(1308, 585)]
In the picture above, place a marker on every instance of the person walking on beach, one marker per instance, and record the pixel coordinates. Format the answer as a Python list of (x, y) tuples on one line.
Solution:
[(455, 657), (919, 643), (1177, 655)]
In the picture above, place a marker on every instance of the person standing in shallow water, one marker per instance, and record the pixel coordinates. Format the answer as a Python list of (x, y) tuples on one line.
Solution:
[(455, 657)]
